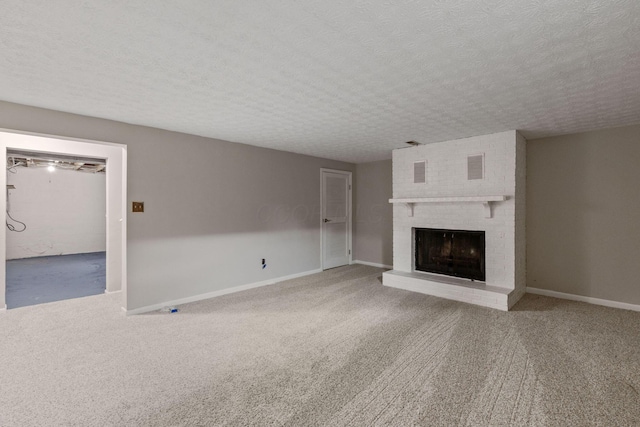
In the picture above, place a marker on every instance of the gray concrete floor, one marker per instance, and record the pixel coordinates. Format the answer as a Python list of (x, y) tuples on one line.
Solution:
[(32, 281)]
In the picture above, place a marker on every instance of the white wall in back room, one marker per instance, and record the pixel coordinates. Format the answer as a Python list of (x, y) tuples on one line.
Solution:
[(64, 212)]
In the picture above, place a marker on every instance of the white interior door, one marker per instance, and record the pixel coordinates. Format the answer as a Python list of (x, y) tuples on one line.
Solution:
[(336, 218)]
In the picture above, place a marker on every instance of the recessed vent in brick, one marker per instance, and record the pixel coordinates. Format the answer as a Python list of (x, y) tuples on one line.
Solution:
[(475, 167), (420, 172)]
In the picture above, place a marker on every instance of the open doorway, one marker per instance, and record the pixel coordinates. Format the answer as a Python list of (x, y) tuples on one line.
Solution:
[(113, 156), (56, 240)]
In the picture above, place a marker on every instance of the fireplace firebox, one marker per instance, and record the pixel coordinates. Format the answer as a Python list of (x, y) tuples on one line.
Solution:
[(457, 253)]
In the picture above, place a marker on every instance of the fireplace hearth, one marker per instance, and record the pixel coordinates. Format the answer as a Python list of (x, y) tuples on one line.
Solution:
[(457, 253)]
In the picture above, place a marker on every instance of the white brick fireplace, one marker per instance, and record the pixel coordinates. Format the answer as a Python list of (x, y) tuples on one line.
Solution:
[(474, 184)]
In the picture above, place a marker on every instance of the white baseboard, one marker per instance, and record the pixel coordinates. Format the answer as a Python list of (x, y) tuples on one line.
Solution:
[(221, 292), (112, 292), (373, 264), (4, 308), (590, 300)]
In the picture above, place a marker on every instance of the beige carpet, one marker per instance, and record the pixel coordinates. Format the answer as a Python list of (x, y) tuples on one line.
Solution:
[(335, 349)]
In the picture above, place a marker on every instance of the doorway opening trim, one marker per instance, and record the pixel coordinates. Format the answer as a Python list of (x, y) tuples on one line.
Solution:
[(116, 189)]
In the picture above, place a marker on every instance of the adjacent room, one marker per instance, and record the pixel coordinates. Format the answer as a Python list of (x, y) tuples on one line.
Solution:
[(320, 213), (61, 253)]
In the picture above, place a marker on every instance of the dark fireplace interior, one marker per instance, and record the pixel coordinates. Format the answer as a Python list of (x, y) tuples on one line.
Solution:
[(452, 252)]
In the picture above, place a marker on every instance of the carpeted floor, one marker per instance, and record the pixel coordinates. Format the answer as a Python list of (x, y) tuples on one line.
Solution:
[(44, 279), (334, 349)]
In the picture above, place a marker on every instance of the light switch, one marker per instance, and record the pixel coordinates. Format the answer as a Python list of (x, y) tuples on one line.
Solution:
[(138, 207)]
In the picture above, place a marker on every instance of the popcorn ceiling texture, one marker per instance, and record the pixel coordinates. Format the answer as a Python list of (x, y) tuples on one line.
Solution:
[(342, 80)]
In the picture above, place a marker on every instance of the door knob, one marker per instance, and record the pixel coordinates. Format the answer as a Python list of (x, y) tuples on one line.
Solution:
[(327, 220)]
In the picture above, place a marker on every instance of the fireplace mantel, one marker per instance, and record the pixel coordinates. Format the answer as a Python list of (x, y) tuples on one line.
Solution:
[(485, 200)]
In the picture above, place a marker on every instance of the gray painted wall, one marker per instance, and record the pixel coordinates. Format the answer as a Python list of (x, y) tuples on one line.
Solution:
[(583, 235), (213, 208), (373, 219)]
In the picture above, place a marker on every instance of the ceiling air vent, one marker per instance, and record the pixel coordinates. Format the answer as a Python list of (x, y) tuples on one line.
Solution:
[(420, 172), (475, 167)]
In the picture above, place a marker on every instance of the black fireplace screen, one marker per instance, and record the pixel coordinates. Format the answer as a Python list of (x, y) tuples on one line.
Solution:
[(452, 252)]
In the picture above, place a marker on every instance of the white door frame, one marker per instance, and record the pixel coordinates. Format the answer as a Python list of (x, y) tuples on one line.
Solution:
[(116, 194), (349, 214)]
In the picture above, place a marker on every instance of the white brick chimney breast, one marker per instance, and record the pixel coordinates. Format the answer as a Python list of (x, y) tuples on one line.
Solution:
[(475, 184)]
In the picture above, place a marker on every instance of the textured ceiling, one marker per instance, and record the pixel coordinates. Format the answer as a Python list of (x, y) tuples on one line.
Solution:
[(347, 80)]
